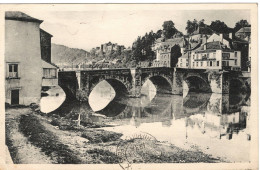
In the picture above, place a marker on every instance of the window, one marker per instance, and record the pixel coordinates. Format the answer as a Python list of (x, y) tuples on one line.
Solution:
[(49, 73), (210, 63), (193, 64), (201, 63), (13, 70), (235, 54), (235, 62), (197, 63), (217, 63), (187, 64), (225, 56)]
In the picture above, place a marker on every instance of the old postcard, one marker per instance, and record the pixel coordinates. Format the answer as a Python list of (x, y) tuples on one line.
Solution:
[(129, 86)]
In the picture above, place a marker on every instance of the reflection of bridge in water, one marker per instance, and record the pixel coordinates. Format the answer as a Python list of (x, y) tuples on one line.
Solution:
[(210, 112)]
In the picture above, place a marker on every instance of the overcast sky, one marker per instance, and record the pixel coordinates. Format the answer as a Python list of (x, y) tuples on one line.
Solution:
[(88, 29)]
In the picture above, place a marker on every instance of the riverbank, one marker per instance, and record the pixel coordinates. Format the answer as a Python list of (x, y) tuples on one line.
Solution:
[(33, 137)]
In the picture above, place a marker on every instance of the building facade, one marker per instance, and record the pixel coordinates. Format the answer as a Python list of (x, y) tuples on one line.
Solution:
[(244, 33), (215, 55), (25, 52), (184, 61), (164, 50), (23, 59)]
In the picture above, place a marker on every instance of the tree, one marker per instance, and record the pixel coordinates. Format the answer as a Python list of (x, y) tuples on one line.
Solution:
[(175, 54), (158, 34), (137, 49), (93, 52), (168, 29), (194, 25), (240, 24), (219, 27), (201, 23)]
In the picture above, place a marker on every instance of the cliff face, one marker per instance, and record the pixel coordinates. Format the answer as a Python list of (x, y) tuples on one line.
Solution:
[(65, 56)]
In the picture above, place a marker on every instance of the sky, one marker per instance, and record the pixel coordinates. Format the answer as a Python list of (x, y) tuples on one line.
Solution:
[(91, 28)]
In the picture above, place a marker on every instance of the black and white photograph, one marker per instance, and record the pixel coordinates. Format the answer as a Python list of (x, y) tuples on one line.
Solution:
[(130, 84)]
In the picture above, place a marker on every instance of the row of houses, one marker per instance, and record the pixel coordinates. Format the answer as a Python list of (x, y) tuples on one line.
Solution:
[(28, 66), (205, 49)]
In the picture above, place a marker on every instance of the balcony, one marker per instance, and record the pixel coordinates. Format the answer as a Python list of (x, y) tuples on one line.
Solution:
[(49, 82), (12, 82)]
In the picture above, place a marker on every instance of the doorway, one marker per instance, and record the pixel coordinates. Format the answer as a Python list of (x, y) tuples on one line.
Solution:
[(14, 97)]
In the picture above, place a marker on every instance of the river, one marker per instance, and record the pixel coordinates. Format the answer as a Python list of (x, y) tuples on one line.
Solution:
[(216, 124)]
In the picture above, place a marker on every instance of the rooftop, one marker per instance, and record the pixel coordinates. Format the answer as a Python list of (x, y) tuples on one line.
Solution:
[(171, 42), (186, 55), (20, 16), (215, 45), (45, 32), (48, 65), (244, 29)]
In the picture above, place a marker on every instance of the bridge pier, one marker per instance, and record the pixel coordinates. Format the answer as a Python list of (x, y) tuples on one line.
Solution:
[(135, 91), (177, 88)]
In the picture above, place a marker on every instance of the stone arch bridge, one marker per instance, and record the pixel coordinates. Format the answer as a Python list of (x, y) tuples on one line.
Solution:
[(129, 82)]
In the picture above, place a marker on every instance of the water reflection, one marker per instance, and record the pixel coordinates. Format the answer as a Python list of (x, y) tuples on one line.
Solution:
[(51, 99), (213, 122)]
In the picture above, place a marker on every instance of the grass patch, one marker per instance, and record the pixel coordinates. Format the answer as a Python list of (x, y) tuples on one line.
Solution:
[(13, 150), (104, 155), (100, 136), (32, 128)]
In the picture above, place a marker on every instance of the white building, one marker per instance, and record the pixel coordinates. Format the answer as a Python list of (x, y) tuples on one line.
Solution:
[(183, 61), (215, 55), (26, 48)]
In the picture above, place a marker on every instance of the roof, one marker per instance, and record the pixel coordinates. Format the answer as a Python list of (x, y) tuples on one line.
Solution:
[(244, 29), (171, 42), (215, 45), (186, 55), (20, 16), (234, 39), (48, 65), (45, 32)]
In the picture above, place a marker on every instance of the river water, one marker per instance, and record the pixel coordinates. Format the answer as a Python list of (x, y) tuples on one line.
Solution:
[(213, 123)]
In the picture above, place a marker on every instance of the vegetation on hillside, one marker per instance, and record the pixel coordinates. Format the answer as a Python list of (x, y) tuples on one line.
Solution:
[(141, 50)]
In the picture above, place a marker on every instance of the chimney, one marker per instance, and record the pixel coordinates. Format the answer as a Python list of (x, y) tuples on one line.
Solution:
[(230, 35), (221, 37)]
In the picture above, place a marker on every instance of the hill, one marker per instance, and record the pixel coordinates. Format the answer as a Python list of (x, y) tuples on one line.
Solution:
[(65, 56)]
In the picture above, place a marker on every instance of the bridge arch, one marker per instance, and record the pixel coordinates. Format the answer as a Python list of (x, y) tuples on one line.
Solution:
[(162, 83), (114, 106), (120, 86), (238, 85), (197, 83)]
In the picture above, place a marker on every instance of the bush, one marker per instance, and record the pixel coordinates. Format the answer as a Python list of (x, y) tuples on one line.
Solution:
[(99, 136)]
